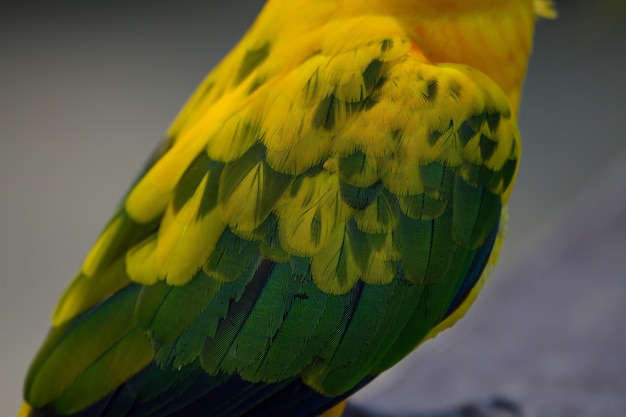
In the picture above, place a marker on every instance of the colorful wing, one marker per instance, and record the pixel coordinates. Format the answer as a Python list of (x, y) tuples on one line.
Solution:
[(302, 232)]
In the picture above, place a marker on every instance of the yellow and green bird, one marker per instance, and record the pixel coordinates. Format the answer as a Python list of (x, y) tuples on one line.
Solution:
[(331, 196)]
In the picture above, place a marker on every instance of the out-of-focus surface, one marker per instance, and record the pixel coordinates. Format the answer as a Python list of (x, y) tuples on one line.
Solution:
[(86, 92)]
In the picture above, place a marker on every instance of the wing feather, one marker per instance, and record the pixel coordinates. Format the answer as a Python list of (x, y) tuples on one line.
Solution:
[(315, 228)]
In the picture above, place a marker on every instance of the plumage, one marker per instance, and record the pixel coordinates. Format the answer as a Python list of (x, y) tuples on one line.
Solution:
[(330, 197)]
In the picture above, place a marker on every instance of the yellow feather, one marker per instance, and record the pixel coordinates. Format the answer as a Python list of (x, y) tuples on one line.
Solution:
[(94, 257), (310, 150), (379, 217), (401, 179), (379, 271), (185, 242), (333, 270), (310, 213), (141, 262), (244, 208), (148, 200), (233, 139), (383, 247), (25, 410), (336, 411), (546, 8)]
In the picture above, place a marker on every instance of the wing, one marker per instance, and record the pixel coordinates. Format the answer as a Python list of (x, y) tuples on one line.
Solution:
[(302, 232)]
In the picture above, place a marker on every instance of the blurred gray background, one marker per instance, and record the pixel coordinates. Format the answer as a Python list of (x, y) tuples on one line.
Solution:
[(87, 90)]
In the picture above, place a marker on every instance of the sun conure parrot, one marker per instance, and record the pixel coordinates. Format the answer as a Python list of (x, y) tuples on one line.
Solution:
[(331, 196)]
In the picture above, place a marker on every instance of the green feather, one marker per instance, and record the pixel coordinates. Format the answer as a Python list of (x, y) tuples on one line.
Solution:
[(235, 299), (181, 306), (372, 74), (413, 240), (433, 177), (357, 169), (347, 364), (82, 345), (421, 206), (359, 197), (405, 296), (190, 180), (251, 60), (475, 212), (380, 216), (300, 335), (316, 372), (417, 326), (442, 249), (262, 322), (231, 257), (249, 189), (128, 234), (149, 303), (326, 329), (121, 361), (85, 292)]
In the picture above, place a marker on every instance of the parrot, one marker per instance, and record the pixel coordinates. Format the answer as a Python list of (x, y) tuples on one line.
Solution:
[(332, 195)]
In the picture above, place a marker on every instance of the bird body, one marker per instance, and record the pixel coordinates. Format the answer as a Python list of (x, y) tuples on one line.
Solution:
[(331, 196)]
